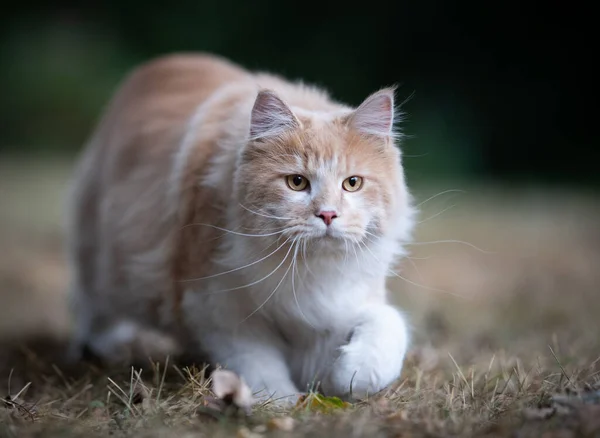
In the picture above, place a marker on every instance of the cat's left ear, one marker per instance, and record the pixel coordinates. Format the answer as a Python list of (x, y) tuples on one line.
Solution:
[(375, 116), (270, 116)]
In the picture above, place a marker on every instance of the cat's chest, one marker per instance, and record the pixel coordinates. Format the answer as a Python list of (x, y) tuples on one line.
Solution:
[(307, 304)]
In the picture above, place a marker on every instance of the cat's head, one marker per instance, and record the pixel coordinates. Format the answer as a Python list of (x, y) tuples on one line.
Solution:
[(333, 178)]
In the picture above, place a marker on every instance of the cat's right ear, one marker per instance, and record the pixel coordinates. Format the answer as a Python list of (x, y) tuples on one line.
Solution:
[(270, 116)]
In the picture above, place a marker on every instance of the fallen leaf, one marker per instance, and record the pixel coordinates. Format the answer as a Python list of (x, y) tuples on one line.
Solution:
[(320, 403)]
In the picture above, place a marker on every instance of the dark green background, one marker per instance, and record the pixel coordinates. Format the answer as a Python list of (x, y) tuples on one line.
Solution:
[(502, 91)]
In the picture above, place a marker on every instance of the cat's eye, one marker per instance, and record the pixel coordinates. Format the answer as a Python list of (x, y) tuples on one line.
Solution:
[(352, 184), (296, 182)]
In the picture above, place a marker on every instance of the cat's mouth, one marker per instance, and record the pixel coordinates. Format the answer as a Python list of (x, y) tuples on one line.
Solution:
[(331, 234), (325, 234)]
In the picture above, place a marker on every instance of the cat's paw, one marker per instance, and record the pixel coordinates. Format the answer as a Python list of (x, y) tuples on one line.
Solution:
[(361, 370), (373, 358)]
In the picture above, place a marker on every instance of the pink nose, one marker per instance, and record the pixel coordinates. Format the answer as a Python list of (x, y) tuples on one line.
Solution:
[(327, 216)]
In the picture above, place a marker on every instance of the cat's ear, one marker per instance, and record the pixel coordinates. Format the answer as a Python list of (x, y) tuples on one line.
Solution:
[(375, 116), (270, 116)]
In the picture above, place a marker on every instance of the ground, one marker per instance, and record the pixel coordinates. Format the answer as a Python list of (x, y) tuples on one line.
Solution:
[(504, 307)]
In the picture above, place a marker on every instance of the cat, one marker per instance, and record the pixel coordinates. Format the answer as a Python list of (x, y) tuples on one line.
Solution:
[(246, 220)]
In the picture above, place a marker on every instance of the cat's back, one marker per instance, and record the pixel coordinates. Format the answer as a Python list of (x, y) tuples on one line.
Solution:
[(121, 220), (155, 101), (145, 122), (173, 84), (128, 160)]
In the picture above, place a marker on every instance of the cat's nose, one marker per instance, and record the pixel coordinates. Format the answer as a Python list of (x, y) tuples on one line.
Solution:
[(327, 216)]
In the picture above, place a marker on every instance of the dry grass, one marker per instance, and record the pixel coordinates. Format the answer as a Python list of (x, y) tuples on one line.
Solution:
[(506, 343)]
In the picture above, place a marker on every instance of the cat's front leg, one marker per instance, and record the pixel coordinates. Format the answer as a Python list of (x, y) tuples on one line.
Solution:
[(373, 357)]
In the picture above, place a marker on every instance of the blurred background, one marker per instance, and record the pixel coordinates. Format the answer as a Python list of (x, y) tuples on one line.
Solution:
[(499, 124)]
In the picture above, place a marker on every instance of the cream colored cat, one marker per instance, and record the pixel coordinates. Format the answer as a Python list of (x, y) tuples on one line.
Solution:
[(244, 220)]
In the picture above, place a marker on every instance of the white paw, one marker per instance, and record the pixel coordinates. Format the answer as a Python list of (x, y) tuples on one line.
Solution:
[(373, 358), (361, 370)]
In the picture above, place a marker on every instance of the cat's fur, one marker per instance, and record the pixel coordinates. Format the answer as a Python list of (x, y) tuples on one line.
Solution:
[(180, 204)]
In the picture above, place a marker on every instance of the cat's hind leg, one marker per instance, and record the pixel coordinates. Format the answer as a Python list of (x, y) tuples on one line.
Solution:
[(129, 342), (125, 342)]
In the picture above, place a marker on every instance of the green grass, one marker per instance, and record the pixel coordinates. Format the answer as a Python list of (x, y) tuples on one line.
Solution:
[(506, 340)]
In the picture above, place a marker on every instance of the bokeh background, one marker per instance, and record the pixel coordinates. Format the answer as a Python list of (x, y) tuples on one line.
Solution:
[(501, 91), (499, 122)]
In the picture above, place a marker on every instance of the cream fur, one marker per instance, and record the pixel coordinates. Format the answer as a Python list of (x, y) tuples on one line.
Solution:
[(184, 236)]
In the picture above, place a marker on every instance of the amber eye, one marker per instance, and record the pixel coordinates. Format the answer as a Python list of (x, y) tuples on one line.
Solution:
[(297, 182), (352, 184)]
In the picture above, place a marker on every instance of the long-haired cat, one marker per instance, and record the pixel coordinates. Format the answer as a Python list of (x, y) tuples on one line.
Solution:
[(245, 220)]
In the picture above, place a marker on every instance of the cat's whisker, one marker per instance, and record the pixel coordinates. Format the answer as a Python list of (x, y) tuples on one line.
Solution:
[(305, 243), (432, 242), (258, 213), (302, 275), (275, 242), (437, 214), (362, 243), (257, 281), (371, 234), (241, 267), (411, 258), (294, 259), (440, 194), (355, 253), (422, 286), (263, 229), (282, 228), (429, 288), (304, 250), (276, 287), (345, 252), (373, 241), (235, 232), (417, 270), (359, 243)]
